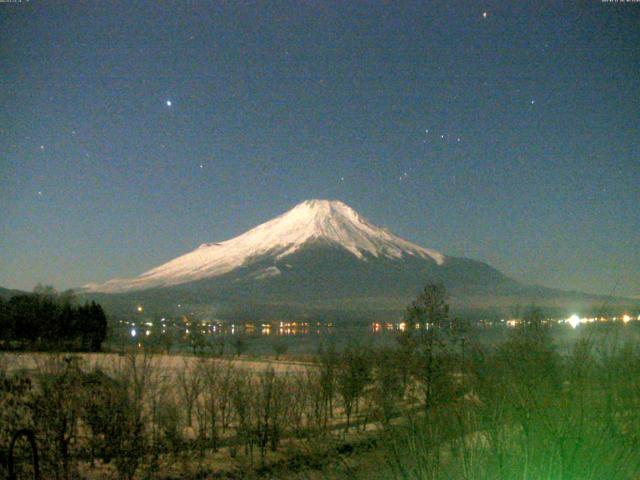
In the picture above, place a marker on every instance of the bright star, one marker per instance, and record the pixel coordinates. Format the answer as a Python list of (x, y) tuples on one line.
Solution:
[(484, 14), (168, 102)]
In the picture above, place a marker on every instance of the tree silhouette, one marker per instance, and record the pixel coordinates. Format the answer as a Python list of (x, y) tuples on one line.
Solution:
[(51, 321)]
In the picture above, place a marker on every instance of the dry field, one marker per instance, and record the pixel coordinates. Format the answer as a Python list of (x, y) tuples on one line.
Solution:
[(180, 384), (168, 364)]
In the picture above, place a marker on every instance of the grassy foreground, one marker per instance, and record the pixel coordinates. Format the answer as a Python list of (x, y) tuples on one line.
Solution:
[(438, 405)]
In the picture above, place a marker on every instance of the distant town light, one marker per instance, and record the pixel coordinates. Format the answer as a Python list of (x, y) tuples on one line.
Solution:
[(626, 318), (573, 320), (140, 309), (147, 333), (133, 332)]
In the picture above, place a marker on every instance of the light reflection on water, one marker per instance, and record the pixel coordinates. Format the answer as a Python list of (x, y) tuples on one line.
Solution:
[(307, 337)]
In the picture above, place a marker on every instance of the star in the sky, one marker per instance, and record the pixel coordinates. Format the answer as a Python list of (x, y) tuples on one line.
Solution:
[(201, 166), (168, 103), (533, 101), (39, 193), (41, 147), (485, 14)]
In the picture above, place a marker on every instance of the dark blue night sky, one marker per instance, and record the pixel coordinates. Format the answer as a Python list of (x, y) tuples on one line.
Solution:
[(509, 132)]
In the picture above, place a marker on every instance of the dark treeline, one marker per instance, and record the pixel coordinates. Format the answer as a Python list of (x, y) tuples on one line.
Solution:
[(47, 320)]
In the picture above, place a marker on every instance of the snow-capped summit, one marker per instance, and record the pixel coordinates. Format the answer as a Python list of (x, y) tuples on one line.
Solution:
[(321, 259), (324, 221)]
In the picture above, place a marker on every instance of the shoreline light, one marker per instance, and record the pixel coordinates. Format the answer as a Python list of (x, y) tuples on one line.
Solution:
[(573, 320)]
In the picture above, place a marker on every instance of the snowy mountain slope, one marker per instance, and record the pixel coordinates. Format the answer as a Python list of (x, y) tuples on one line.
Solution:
[(322, 260), (310, 222)]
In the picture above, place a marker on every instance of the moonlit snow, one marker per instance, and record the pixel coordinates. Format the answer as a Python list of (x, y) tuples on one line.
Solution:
[(307, 222)]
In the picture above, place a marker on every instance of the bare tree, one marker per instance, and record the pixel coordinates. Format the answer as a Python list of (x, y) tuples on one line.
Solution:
[(190, 386), (316, 414), (299, 410), (209, 401), (241, 399), (352, 376), (117, 415), (225, 405), (57, 412), (328, 362), (268, 409), (387, 391)]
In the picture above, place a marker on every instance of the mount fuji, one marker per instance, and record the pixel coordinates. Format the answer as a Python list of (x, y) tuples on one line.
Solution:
[(311, 223), (320, 256)]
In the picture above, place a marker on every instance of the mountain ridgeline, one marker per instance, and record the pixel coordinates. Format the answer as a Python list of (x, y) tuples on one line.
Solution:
[(322, 259)]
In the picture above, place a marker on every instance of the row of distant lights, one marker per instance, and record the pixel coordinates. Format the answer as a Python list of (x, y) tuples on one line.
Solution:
[(575, 320)]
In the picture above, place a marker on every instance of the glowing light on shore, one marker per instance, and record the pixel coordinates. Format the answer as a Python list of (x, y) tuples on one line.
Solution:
[(626, 318), (133, 332), (573, 320)]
